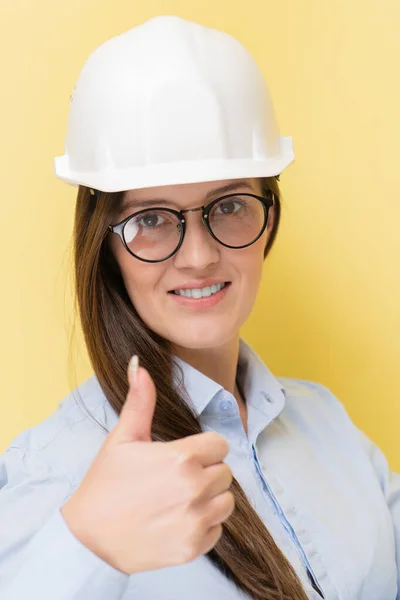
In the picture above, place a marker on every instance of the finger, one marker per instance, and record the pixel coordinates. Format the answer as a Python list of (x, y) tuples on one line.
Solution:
[(136, 417), (220, 508), (208, 448), (217, 479)]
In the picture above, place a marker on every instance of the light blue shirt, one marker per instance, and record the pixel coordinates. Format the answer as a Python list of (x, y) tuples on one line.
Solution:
[(320, 485)]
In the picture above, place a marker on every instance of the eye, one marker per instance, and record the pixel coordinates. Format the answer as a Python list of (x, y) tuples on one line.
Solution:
[(150, 220), (229, 206)]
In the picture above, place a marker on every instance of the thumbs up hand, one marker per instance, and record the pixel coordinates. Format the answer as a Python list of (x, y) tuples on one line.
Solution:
[(146, 505)]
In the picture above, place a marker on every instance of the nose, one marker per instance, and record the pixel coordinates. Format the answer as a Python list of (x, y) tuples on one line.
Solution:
[(198, 249)]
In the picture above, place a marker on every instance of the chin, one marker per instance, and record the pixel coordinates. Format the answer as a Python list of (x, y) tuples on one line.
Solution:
[(200, 339)]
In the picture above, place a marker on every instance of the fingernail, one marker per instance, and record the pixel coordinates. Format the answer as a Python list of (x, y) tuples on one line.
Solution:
[(133, 368)]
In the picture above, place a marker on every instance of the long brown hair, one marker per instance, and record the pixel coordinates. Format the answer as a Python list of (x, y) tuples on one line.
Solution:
[(113, 331)]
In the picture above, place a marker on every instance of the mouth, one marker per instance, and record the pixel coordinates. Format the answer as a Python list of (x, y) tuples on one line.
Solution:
[(198, 293), (202, 301)]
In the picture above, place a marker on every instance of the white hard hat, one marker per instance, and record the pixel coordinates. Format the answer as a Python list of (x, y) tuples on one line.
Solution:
[(170, 101)]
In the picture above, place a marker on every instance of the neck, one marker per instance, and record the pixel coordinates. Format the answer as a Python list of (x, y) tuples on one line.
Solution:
[(218, 363)]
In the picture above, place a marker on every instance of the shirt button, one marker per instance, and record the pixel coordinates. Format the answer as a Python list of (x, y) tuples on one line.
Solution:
[(225, 405), (267, 397)]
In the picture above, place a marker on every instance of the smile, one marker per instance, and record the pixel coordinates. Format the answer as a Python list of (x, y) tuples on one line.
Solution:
[(201, 298), (200, 292)]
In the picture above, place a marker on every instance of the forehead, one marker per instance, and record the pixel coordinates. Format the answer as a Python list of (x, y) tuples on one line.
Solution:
[(193, 190)]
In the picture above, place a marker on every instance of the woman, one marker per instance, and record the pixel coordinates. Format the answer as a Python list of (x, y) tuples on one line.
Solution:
[(206, 476)]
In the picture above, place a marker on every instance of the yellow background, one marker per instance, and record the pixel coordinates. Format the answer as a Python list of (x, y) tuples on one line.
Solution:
[(328, 308)]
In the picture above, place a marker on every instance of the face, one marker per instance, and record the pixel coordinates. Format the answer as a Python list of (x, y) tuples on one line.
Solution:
[(194, 324)]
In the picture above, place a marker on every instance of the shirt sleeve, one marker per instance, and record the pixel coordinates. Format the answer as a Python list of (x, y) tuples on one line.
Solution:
[(39, 555), (390, 484), (389, 480)]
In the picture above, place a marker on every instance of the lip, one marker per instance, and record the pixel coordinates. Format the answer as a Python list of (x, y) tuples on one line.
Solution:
[(193, 285), (198, 303)]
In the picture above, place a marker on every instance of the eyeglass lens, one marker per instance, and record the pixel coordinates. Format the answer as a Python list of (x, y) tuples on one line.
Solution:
[(235, 221)]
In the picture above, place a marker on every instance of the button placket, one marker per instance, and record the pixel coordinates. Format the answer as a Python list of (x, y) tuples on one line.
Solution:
[(295, 526)]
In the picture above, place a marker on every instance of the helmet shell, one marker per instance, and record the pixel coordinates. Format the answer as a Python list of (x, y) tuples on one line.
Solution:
[(170, 101)]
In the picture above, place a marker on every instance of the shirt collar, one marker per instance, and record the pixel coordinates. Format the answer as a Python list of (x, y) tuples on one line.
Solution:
[(262, 391), (199, 387), (264, 395)]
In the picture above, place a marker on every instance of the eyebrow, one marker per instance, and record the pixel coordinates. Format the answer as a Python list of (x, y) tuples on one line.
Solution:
[(164, 201)]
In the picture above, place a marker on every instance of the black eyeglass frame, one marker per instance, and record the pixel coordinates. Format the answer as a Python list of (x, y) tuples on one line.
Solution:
[(266, 202)]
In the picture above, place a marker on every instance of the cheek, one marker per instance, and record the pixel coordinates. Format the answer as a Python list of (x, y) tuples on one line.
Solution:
[(140, 278), (139, 281), (252, 260)]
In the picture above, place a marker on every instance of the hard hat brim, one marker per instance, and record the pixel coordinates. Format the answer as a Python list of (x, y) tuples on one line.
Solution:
[(111, 180)]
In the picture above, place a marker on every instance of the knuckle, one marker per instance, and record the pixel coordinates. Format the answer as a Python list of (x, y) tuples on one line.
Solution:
[(223, 443), (223, 503), (170, 451), (203, 523), (220, 532), (178, 461), (217, 438), (183, 457), (192, 489), (226, 445), (229, 497), (189, 553), (194, 537), (230, 501), (228, 472)]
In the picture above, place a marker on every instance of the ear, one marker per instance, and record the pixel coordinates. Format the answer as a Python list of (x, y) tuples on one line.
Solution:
[(271, 218)]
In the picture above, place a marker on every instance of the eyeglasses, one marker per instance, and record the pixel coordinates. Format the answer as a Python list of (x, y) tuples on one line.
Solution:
[(234, 220)]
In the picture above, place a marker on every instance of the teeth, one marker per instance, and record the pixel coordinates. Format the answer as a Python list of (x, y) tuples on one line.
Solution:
[(201, 293)]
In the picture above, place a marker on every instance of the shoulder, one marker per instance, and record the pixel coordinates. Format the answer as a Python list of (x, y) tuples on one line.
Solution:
[(41, 469), (68, 440), (314, 404), (303, 392)]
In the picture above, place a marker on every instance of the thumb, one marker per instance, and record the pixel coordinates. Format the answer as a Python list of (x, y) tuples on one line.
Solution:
[(136, 416)]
